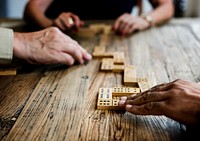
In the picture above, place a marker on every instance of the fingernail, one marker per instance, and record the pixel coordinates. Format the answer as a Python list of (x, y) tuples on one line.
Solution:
[(133, 95), (71, 62), (88, 56), (121, 102), (129, 106), (123, 98)]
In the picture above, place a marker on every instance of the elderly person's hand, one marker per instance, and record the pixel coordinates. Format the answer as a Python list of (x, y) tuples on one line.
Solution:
[(48, 46), (179, 100)]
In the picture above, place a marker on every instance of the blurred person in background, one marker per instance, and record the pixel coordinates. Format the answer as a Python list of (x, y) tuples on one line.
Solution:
[(71, 14)]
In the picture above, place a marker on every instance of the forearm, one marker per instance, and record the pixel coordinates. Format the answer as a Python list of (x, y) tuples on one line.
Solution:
[(162, 13), (35, 12)]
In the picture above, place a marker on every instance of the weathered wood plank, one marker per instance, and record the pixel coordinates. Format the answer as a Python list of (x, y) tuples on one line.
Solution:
[(63, 104), (14, 92)]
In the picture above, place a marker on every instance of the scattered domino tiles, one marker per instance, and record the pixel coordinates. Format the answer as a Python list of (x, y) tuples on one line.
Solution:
[(85, 32), (8, 71), (118, 58), (118, 68), (144, 86), (108, 64), (130, 76), (99, 51), (94, 29), (106, 29), (108, 98), (119, 91)]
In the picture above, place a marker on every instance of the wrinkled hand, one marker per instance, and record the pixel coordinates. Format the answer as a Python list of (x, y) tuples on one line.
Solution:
[(179, 100), (48, 46), (127, 24), (67, 21)]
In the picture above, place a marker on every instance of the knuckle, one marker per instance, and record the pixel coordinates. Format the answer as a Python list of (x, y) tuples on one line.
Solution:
[(125, 22), (76, 17), (63, 14), (74, 49), (175, 85), (178, 80), (149, 106), (146, 96), (70, 61), (54, 30), (129, 102), (76, 43)]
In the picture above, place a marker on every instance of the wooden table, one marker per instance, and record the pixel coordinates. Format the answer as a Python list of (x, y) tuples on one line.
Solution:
[(57, 103)]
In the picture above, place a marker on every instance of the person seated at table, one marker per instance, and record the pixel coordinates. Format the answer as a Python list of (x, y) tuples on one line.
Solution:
[(71, 13), (179, 100), (48, 46)]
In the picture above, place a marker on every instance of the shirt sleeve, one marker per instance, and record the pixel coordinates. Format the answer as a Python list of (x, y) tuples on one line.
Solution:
[(6, 45)]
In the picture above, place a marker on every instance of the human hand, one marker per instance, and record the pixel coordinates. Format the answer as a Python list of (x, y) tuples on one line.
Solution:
[(66, 21), (48, 46), (179, 100), (127, 24)]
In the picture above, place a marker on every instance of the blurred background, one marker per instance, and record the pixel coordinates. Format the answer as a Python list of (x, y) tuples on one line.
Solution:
[(14, 8)]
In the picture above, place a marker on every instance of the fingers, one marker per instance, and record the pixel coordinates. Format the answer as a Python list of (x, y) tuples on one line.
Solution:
[(77, 52), (77, 22), (156, 93), (148, 97), (145, 104), (117, 23), (66, 59), (152, 102), (152, 108), (59, 24), (127, 24), (129, 29), (121, 24), (67, 21), (85, 54), (143, 98), (124, 24), (63, 22), (59, 42)]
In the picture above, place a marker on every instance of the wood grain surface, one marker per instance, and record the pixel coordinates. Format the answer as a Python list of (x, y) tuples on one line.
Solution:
[(58, 103)]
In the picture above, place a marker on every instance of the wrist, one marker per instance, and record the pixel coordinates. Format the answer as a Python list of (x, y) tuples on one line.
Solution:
[(18, 45), (148, 19)]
